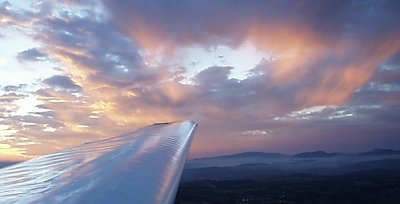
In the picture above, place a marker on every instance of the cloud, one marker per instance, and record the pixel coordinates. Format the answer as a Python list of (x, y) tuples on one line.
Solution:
[(231, 22), (12, 88), (213, 75), (323, 53), (32, 54), (104, 57), (337, 46), (10, 16), (63, 82), (340, 56), (10, 97)]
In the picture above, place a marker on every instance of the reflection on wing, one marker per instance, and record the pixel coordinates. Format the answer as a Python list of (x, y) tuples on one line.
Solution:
[(139, 167)]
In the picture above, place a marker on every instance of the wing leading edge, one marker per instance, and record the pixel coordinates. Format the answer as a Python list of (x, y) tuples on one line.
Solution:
[(139, 167)]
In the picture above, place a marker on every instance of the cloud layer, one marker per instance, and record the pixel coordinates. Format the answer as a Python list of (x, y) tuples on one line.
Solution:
[(330, 81)]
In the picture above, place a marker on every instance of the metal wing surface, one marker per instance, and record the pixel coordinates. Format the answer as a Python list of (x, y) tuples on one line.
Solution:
[(140, 167)]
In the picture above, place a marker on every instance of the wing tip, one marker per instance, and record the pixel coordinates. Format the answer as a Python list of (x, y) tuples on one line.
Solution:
[(167, 123), (163, 123)]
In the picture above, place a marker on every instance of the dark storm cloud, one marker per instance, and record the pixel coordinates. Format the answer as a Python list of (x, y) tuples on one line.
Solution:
[(63, 82), (32, 54)]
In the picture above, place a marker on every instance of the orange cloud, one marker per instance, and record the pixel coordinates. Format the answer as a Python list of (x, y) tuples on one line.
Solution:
[(338, 84), (151, 40), (294, 46)]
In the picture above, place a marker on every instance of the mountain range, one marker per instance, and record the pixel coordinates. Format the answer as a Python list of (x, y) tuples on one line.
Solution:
[(312, 154), (252, 164)]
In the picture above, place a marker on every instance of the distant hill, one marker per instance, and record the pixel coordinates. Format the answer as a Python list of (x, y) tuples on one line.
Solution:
[(258, 165), (315, 154), (235, 159), (378, 152), (248, 154)]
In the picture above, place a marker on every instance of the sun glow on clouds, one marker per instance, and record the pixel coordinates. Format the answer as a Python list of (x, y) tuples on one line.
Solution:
[(101, 107), (49, 129), (7, 151), (12, 154), (242, 59), (3, 61), (6, 131), (28, 106), (196, 58)]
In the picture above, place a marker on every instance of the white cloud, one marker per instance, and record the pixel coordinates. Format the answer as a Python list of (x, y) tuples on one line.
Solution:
[(242, 59), (306, 113)]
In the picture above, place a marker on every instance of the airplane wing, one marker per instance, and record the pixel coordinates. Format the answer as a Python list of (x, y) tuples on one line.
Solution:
[(140, 167)]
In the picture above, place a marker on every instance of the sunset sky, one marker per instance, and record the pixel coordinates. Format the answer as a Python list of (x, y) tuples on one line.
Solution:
[(274, 76)]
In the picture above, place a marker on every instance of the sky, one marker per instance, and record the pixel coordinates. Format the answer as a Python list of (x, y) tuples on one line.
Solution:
[(274, 76)]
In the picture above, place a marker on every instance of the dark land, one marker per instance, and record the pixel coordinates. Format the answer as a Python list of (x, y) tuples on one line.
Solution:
[(309, 177), (313, 177)]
